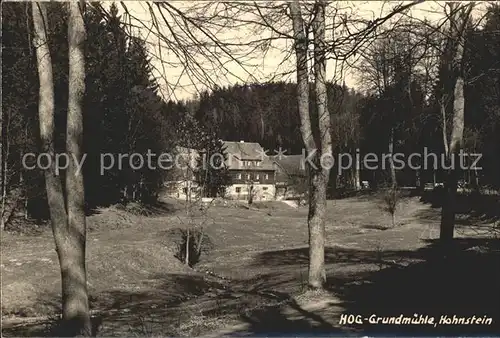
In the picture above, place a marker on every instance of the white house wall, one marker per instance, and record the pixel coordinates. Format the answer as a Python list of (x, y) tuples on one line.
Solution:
[(264, 192)]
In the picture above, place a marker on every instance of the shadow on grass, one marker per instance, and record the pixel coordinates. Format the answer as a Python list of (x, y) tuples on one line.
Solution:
[(483, 220), (156, 208), (131, 312), (273, 321), (476, 206), (335, 255), (464, 282), (187, 304), (375, 227)]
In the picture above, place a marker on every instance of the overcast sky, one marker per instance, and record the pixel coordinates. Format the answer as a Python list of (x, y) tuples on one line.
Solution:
[(262, 65)]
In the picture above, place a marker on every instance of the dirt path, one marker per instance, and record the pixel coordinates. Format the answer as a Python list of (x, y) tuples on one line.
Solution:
[(317, 314)]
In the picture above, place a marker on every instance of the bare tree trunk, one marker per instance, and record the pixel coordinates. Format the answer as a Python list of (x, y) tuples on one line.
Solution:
[(188, 237), (476, 179), (22, 186), (46, 114), (317, 233), (318, 176), (76, 307), (394, 182), (357, 174), (5, 174), (68, 228), (468, 173), (317, 274), (448, 209), (2, 225), (458, 22), (21, 177), (188, 206), (442, 105)]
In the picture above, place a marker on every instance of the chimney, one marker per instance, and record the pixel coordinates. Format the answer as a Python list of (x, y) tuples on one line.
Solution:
[(242, 141)]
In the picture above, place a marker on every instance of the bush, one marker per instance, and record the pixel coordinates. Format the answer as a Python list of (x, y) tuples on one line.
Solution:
[(193, 243), (390, 202)]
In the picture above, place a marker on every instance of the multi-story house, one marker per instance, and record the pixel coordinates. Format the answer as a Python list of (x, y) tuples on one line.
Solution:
[(253, 173)]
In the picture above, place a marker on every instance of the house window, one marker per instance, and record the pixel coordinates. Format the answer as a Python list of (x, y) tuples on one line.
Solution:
[(264, 188), (257, 176), (249, 163), (185, 190), (248, 177), (238, 190), (258, 164), (267, 176), (239, 176)]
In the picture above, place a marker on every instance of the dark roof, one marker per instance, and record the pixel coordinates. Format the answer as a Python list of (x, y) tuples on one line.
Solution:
[(290, 164), (247, 151), (236, 152), (244, 150)]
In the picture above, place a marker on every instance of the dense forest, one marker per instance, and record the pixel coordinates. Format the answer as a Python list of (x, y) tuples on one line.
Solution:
[(124, 112)]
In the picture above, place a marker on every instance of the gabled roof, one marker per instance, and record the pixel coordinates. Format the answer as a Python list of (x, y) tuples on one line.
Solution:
[(244, 150), (240, 156), (291, 164), (247, 151)]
